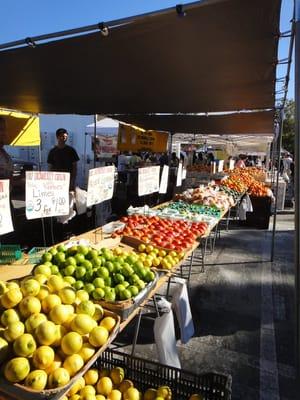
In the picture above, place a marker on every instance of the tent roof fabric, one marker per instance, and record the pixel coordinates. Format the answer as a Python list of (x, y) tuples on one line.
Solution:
[(220, 57), (260, 123)]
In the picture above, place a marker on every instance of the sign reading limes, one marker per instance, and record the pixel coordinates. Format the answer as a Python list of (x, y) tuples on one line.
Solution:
[(132, 138)]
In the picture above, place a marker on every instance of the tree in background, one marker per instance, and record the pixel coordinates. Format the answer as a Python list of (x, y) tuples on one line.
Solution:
[(288, 136)]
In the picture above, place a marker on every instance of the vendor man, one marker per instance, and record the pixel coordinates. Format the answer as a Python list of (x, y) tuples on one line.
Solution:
[(63, 158)]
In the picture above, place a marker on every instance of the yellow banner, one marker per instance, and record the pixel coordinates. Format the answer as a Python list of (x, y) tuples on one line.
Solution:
[(21, 129), (132, 138)]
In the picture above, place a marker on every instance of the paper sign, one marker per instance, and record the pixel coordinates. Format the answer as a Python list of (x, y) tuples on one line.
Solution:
[(100, 185), (47, 194), (164, 180), (5, 215), (183, 173), (213, 167), (220, 165), (148, 180), (231, 164), (179, 175)]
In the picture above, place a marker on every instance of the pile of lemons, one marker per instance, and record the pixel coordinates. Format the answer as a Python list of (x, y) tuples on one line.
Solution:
[(111, 384), (48, 330), (152, 256)]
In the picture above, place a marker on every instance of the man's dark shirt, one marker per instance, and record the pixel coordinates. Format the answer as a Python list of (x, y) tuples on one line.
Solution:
[(62, 159)]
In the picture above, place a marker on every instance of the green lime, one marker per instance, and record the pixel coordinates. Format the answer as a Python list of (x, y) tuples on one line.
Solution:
[(150, 276), (59, 257), (134, 290), (87, 264), (127, 270), (108, 281), (110, 295), (69, 270), (110, 266), (82, 249), (119, 288), (92, 253), (125, 294), (78, 285), (52, 251), (98, 282), (96, 261), (46, 257), (80, 272), (54, 269), (71, 251), (89, 287), (79, 258), (71, 261), (70, 279), (103, 272), (98, 294), (119, 278), (61, 248)]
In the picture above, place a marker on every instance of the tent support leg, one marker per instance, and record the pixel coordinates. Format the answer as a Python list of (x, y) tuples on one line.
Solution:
[(297, 186), (279, 143)]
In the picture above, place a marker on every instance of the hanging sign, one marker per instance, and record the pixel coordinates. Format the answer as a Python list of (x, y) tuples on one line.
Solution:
[(47, 194), (179, 175), (6, 225), (132, 138), (148, 180), (100, 185), (183, 173), (164, 180), (220, 165), (213, 167), (231, 164)]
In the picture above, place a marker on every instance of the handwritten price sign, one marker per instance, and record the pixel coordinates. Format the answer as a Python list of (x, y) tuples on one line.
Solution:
[(164, 180), (6, 225), (47, 194), (100, 185), (148, 180)]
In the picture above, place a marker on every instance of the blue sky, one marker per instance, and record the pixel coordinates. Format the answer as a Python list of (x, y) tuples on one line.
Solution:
[(20, 19)]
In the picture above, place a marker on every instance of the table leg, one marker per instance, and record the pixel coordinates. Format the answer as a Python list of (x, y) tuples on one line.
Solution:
[(136, 331)]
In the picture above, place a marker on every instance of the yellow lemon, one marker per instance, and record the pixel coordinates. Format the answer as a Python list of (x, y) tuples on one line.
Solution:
[(78, 385), (8, 316), (44, 292), (11, 298), (41, 278), (59, 377), (73, 364), (108, 323), (87, 351), (30, 287), (88, 389), (59, 314), (126, 384), (150, 394), (57, 363), (36, 380), (17, 369), (46, 333), (115, 395), (71, 343), (67, 295), (24, 345), (13, 331), (55, 283), (98, 336), (83, 324), (117, 375), (131, 394), (104, 386), (33, 321), (91, 376), (43, 357), (60, 333), (50, 302), (29, 305)]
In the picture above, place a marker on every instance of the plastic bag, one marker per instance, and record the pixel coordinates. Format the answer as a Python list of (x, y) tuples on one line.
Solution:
[(181, 305), (164, 334), (80, 200)]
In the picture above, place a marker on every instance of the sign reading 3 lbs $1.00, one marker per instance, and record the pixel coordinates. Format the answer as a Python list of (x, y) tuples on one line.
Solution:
[(47, 194)]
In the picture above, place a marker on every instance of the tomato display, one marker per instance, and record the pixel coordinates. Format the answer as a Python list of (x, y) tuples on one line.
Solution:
[(170, 234)]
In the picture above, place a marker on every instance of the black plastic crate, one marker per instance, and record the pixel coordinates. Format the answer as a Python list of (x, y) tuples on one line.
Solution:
[(148, 374)]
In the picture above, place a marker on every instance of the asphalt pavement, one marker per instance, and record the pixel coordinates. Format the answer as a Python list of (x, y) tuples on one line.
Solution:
[(243, 312)]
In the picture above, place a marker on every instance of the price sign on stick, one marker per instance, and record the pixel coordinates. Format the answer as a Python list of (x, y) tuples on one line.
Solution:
[(220, 165), (5, 215), (231, 164), (183, 173), (179, 175), (164, 180), (148, 180), (47, 194), (100, 185)]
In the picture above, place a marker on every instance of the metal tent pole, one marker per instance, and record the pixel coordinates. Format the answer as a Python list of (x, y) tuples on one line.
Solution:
[(297, 186), (279, 143)]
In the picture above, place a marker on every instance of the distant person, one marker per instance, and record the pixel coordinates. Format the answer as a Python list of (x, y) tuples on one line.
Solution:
[(63, 158), (174, 160), (210, 158), (241, 162), (249, 162), (164, 159), (6, 164)]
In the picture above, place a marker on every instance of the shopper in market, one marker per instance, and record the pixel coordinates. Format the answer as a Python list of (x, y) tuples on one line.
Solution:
[(63, 158), (6, 164), (174, 160), (241, 162)]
